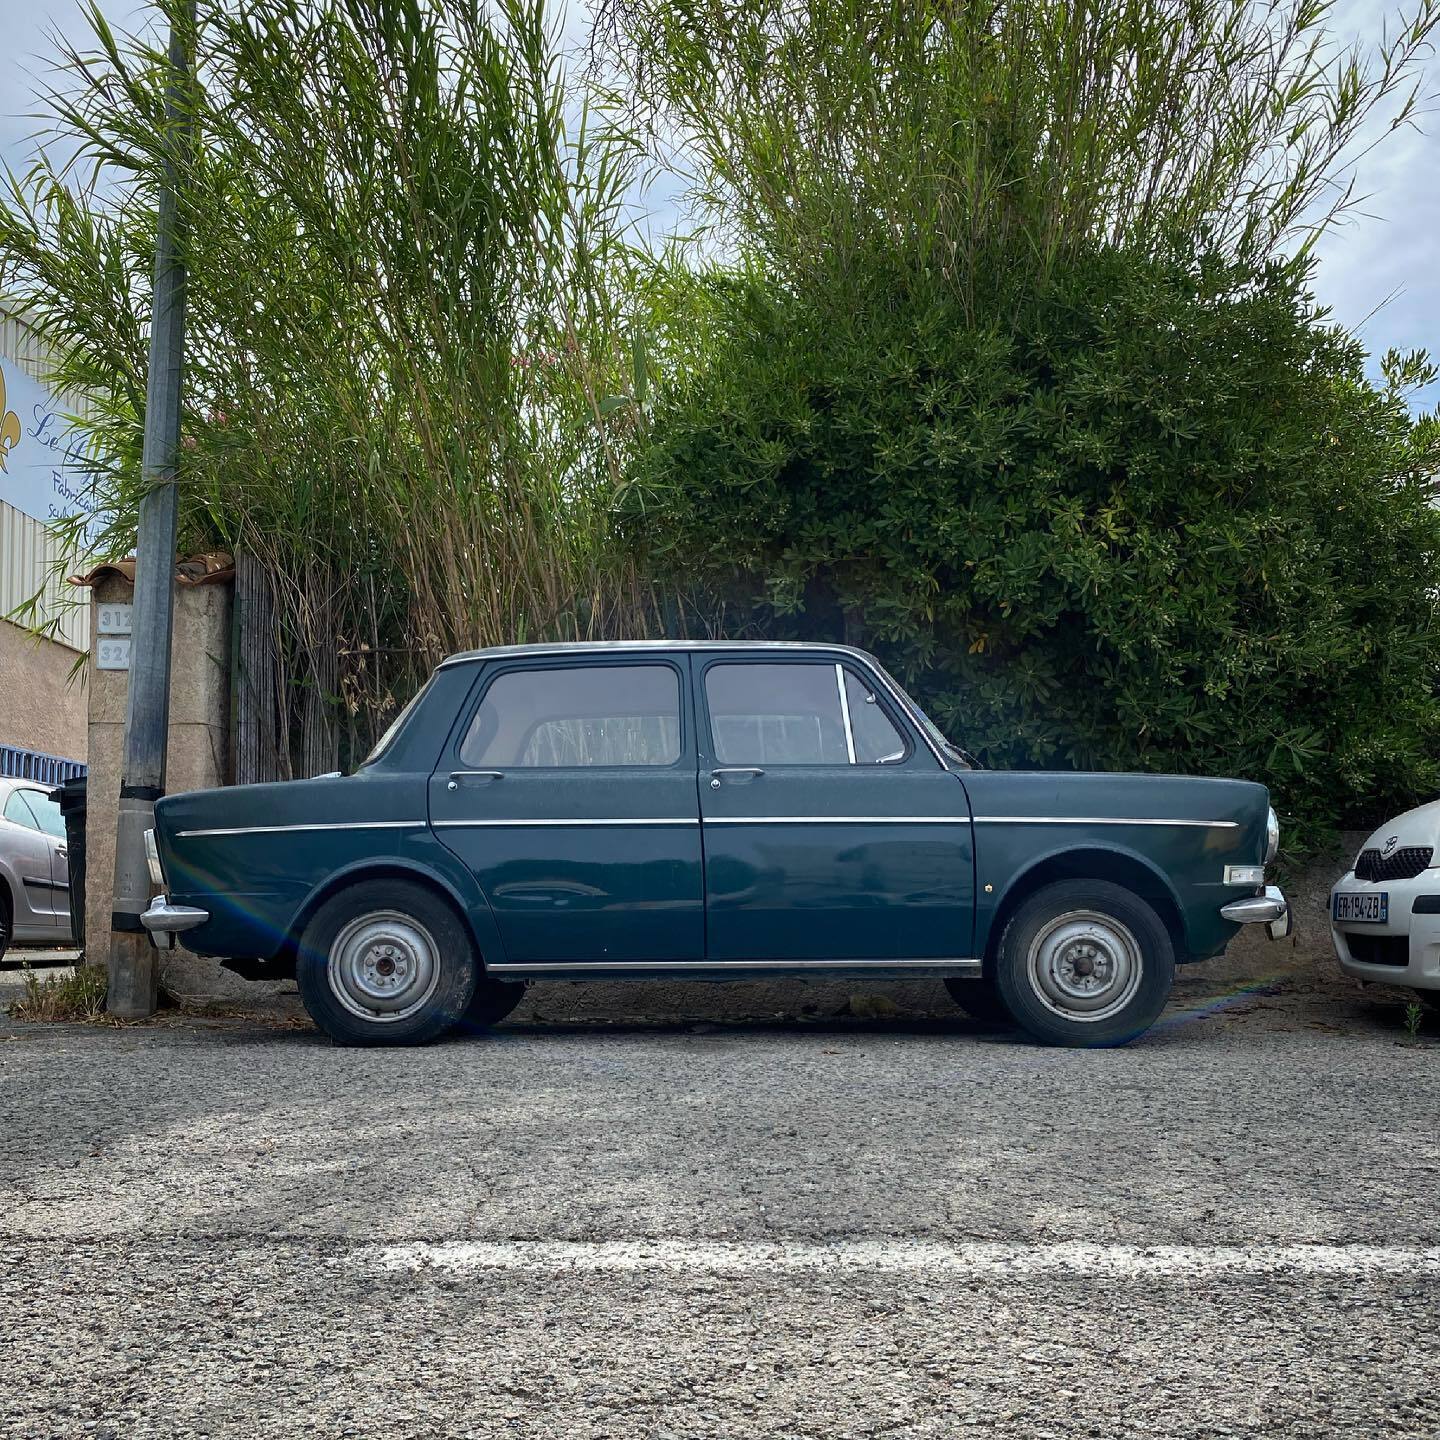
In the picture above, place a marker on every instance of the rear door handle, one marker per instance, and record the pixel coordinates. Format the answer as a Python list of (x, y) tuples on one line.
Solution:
[(473, 777)]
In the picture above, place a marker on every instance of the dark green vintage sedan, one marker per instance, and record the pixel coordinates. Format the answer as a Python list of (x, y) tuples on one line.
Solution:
[(706, 811)]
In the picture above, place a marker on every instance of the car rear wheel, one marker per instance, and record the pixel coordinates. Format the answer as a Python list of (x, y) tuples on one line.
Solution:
[(1085, 963), (386, 962), (981, 1000)]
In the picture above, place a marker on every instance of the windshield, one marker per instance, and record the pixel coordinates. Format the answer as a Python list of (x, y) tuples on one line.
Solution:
[(393, 729)]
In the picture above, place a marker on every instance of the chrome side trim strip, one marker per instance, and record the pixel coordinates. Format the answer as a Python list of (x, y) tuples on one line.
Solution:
[(575, 821), (837, 820), (1100, 820), (675, 968), (578, 821), (957, 820), (282, 829)]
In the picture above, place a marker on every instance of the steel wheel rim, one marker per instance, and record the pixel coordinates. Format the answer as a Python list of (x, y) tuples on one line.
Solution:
[(1085, 966), (383, 967)]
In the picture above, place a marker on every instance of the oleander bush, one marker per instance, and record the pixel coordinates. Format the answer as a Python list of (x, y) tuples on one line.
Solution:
[(992, 349), (1164, 523)]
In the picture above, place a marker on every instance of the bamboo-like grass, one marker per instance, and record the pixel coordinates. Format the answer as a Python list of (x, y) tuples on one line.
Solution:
[(410, 361), (991, 142)]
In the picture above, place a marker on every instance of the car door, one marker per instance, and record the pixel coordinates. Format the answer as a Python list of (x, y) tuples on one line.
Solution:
[(569, 792), (40, 909), (46, 811), (832, 831)]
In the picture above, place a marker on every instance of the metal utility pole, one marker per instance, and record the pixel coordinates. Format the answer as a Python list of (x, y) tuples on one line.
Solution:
[(133, 971)]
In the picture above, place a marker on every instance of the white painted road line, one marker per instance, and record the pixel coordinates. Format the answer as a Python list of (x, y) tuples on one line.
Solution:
[(993, 1259)]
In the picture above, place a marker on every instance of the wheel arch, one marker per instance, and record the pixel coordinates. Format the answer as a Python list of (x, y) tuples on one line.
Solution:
[(378, 868), (1090, 862)]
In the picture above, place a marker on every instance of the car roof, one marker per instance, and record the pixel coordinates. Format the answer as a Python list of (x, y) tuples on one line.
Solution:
[(642, 647)]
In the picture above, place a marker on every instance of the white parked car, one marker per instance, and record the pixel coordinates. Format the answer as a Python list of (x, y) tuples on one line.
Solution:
[(1385, 912)]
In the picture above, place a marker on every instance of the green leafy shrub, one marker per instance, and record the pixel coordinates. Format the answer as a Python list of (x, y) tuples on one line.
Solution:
[(1159, 519)]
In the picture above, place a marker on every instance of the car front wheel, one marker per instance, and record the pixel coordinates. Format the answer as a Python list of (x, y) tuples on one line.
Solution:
[(386, 962), (1085, 963)]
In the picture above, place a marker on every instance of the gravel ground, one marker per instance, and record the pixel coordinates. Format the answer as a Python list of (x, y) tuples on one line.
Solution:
[(592, 1225)]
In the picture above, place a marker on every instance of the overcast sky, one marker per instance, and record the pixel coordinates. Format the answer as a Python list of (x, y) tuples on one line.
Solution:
[(1380, 273)]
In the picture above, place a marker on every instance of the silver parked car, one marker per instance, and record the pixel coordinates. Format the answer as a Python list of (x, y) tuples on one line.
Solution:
[(34, 868)]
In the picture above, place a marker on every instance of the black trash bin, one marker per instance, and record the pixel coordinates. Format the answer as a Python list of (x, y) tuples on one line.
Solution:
[(71, 797)]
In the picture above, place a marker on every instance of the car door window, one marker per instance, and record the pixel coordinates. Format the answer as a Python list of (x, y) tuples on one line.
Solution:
[(786, 714), (577, 716), (797, 713)]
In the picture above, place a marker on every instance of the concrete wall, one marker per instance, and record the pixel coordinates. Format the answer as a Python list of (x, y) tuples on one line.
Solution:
[(40, 708), (199, 732)]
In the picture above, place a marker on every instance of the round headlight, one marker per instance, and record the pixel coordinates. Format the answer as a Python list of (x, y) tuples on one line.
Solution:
[(1272, 835)]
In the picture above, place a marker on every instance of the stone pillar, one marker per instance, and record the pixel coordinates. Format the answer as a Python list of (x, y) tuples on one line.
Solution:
[(199, 730)]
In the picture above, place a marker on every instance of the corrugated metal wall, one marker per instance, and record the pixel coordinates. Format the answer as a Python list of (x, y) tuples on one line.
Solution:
[(27, 555), (28, 551)]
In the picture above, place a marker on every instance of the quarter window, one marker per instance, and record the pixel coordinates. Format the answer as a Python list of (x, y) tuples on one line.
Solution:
[(877, 741), (18, 812), (35, 811), (797, 714), (577, 716)]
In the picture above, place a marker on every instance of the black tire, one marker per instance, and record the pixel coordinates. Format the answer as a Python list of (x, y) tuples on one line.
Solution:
[(1051, 938), (397, 947), (1430, 999), (5, 920), (493, 1000), (981, 1000)]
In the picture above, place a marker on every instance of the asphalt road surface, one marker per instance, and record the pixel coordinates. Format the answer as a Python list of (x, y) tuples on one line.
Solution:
[(907, 1227)]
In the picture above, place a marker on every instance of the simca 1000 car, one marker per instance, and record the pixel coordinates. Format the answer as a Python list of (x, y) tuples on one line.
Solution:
[(706, 811)]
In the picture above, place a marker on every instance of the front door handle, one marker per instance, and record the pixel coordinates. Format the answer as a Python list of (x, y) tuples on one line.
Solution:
[(740, 774), (473, 777)]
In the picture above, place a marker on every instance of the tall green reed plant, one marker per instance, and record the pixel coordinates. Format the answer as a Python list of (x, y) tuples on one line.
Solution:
[(984, 143), (406, 234)]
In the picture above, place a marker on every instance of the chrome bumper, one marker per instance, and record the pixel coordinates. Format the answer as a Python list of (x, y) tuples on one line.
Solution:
[(1271, 909), (164, 921)]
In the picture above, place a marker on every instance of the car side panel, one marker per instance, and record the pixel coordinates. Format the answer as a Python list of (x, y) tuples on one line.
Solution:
[(1183, 830)]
